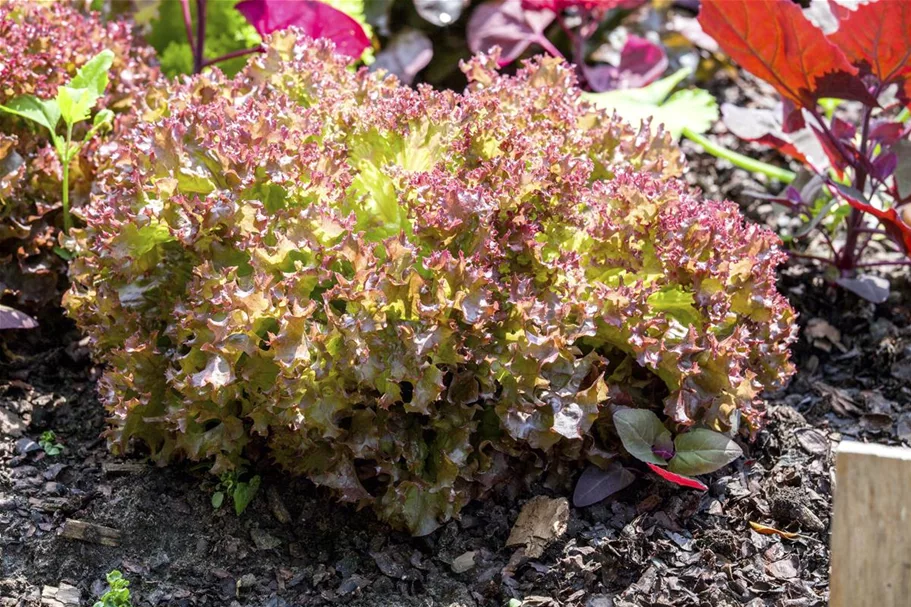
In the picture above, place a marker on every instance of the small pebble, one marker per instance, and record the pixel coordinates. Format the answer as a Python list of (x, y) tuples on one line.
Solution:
[(26, 445), (464, 562), (53, 488)]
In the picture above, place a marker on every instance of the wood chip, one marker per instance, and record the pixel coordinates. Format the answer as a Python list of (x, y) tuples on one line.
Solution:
[(813, 441), (785, 569), (541, 520), (766, 530), (823, 335), (62, 596), (277, 506), (48, 504), (122, 468), (90, 532), (11, 424), (464, 562)]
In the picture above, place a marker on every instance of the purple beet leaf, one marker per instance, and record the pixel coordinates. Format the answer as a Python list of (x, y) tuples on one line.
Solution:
[(596, 484), (641, 63), (506, 24), (316, 19)]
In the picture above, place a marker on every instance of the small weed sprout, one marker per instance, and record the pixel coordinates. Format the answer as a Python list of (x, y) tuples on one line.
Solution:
[(73, 104), (48, 442), (242, 493), (118, 593)]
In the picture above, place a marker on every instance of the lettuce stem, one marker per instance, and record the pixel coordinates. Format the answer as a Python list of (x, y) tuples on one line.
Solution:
[(67, 156), (739, 160)]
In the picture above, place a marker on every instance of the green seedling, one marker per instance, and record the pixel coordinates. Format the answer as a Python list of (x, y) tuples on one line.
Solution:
[(73, 104), (241, 493), (48, 442), (118, 593)]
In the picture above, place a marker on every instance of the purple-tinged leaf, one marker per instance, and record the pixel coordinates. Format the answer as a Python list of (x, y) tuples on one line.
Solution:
[(792, 118), (639, 431), (842, 130), (677, 479), (886, 132), (765, 127), (793, 195), (596, 484), (884, 166), (587, 5), (14, 319), (406, 54), (874, 289), (316, 19), (836, 159), (641, 63), (664, 446), (506, 24)]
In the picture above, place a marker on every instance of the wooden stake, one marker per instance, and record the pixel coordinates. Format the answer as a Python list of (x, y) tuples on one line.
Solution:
[(90, 532), (871, 531)]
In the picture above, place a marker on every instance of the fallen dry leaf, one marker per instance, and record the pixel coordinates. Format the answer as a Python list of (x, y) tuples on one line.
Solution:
[(823, 335), (876, 422), (840, 400), (541, 520), (813, 441), (766, 530), (785, 569)]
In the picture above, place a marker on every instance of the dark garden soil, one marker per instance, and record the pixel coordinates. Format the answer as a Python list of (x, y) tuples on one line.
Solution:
[(652, 544)]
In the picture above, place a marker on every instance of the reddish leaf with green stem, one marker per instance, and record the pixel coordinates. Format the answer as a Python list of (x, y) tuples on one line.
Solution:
[(868, 54)]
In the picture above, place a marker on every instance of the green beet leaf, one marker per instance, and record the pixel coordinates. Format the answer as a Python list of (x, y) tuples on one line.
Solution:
[(640, 430), (701, 451), (244, 494)]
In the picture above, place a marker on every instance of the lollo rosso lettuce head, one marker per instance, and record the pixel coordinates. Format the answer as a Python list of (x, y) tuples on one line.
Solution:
[(44, 44), (410, 295)]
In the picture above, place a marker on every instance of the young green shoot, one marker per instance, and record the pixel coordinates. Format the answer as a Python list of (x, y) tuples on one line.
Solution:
[(118, 593), (48, 442), (241, 493), (73, 104)]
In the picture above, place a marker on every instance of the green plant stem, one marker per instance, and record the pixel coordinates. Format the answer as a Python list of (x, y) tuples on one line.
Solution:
[(744, 162), (903, 115), (67, 156)]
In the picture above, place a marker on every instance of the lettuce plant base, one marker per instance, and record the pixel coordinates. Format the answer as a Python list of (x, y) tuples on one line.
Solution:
[(177, 551)]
